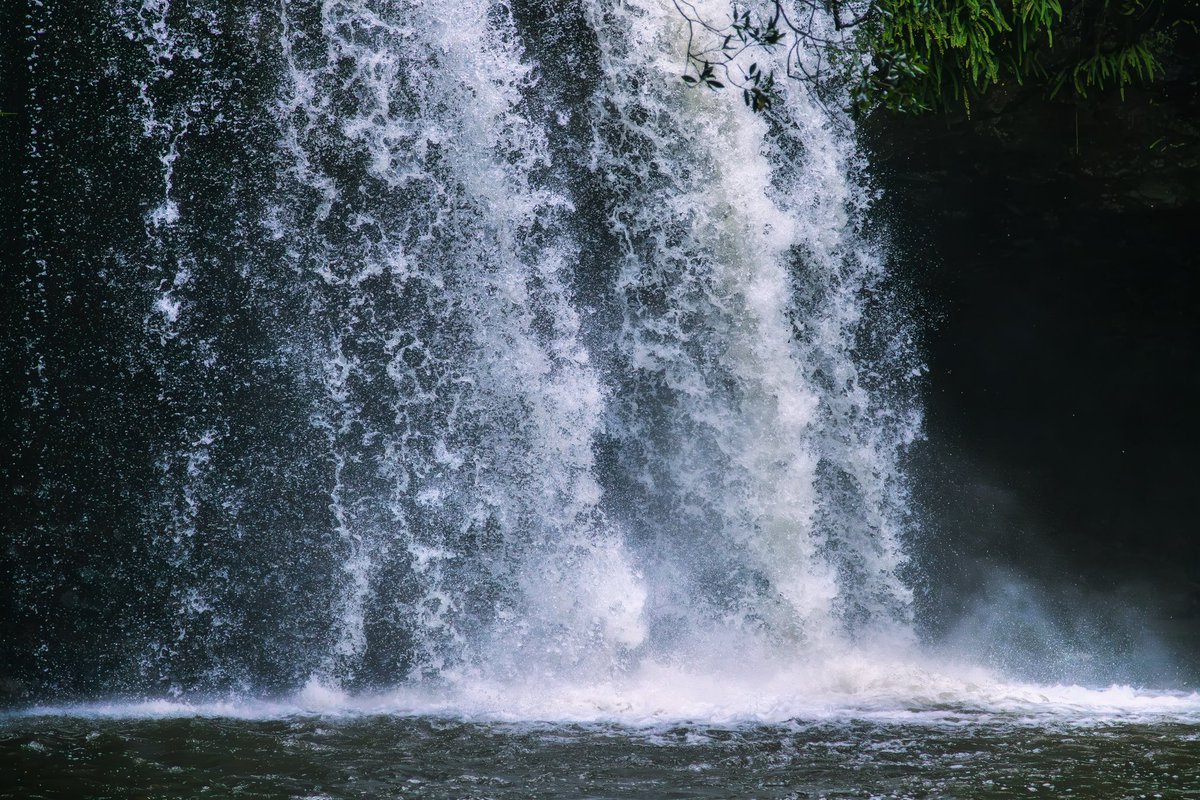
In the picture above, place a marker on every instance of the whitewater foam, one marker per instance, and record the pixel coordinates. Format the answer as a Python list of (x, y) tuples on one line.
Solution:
[(654, 695)]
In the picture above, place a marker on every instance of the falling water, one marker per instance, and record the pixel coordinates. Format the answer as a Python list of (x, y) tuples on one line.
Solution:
[(415, 372), (455, 355)]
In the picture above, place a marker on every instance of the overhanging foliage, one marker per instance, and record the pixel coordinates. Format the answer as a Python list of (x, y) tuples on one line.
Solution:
[(934, 55)]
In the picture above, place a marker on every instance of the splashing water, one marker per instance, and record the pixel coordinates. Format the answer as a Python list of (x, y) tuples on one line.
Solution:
[(743, 492), (477, 365)]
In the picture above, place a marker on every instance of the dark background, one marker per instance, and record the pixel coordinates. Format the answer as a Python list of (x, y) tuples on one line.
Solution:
[(1050, 251)]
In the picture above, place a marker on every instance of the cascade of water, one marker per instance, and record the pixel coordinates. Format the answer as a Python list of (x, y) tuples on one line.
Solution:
[(756, 467), (405, 424), (458, 399)]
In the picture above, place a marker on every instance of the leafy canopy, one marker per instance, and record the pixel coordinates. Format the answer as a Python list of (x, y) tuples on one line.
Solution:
[(933, 55)]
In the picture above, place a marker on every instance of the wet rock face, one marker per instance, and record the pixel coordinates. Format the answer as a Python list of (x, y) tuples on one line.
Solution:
[(1053, 247)]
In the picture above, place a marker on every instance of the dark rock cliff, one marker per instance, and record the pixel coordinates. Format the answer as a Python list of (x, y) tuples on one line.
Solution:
[(1052, 247)]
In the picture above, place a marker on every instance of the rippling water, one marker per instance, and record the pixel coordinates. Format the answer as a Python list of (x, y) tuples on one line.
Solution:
[(883, 730), (391, 756)]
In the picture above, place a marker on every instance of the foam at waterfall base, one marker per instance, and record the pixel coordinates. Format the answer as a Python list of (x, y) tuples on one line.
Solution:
[(847, 687)]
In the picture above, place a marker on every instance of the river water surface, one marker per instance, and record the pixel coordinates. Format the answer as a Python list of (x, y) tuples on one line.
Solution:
[(383, 756)]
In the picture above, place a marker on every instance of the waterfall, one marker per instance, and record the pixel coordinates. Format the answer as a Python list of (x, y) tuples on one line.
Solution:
[(391, 343)]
